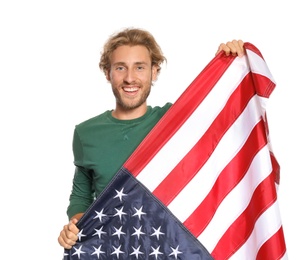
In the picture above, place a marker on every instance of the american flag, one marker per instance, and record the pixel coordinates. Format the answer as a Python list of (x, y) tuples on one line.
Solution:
[(203, 183), (128, 222)]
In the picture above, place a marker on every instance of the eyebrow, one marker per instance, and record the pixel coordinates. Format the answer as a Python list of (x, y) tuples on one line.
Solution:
[(124, 64)]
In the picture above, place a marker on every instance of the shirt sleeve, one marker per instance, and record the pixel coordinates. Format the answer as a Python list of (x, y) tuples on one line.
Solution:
[(82, 194)]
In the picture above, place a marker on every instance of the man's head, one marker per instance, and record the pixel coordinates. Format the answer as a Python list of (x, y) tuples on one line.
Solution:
[(131, 37), (131, 62)]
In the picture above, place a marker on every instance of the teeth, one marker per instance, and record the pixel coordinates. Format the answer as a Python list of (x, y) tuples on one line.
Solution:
[(130, 89)]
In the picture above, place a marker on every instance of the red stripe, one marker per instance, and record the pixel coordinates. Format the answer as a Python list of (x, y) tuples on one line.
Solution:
[(253, 48), (199, 154), (178, 113), (263, 197), (274, 248), (264, 86), (227, 180)]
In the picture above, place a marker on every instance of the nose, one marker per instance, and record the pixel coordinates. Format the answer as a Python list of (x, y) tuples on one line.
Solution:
[(130, 76)]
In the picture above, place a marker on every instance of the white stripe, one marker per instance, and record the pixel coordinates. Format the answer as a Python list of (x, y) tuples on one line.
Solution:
[(237, 200), (196, 125), (266, 226), (227, 148), (258, 65)]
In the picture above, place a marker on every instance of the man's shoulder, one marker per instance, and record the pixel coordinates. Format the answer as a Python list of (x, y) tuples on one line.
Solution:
[(164, 107), (93, 120), (161, 109)]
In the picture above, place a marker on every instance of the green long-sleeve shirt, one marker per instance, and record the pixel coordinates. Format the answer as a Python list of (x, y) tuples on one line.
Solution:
[(100, 146)]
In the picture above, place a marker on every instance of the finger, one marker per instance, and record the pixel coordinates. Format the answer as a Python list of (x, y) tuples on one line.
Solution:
[(72, 227), (233, 47), (241, 48), (69, 235), (236, 47), (67, 239), (223, 47), (63, 243), (73, 220)]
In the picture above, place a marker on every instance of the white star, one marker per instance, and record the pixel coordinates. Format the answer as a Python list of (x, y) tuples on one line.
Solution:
[(97, 251), (117, 251), (136, 252), (120, 213), (157, 232), (139, 212), (156, 252), (99, 232), (99, 215), (78, 251), (120, 194), (138, 232), (80, 235), (118, 232), (175, 252)]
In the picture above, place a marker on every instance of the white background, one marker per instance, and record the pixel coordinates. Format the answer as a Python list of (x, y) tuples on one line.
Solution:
[(50, 81)]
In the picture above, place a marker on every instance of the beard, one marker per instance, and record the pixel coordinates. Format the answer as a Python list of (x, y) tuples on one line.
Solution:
[(127, 103)]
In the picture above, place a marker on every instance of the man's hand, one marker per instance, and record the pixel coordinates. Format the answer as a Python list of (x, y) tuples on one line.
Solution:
[(68, 236), (235, 48)]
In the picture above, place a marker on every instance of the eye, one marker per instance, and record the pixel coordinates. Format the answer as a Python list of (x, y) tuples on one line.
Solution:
[(120, 68), (140, 68)]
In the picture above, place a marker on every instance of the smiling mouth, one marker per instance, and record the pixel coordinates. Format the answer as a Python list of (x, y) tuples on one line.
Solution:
[(130, 89)]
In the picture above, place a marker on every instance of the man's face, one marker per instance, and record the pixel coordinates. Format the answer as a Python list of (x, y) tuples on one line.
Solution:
[(131, 75)]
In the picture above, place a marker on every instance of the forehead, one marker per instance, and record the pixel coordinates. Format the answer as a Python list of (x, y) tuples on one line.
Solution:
[(131, 54)]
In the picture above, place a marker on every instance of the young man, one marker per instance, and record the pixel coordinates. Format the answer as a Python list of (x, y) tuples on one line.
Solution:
[(131, 61)]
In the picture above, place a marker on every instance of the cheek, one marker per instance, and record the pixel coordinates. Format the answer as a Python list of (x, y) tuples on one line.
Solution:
[(112, 77), (115, 80)]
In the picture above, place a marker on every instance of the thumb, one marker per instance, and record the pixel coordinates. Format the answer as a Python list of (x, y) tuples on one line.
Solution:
[(73, 221)]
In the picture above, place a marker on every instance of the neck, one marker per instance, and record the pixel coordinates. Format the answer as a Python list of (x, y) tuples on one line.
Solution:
[(128, 114)]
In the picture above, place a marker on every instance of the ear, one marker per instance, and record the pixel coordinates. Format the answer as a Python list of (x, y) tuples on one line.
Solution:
[(107, 74), (154, 72)]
